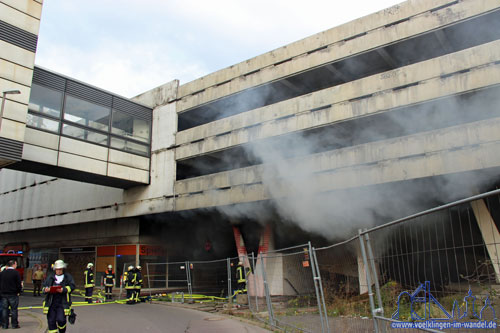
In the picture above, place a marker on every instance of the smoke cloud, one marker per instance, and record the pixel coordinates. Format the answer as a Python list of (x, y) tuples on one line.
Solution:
[(338, 214)]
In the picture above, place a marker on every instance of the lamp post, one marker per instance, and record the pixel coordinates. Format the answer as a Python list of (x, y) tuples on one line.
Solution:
[(4, 93)]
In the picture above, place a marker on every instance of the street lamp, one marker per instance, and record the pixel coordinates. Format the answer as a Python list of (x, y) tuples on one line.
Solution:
[(13, 92)]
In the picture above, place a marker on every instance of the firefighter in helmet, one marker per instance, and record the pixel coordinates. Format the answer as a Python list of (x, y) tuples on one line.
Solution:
[(57, 288), (89, 282), (241, 278), (109, 282), (129, 278), (138, 283)]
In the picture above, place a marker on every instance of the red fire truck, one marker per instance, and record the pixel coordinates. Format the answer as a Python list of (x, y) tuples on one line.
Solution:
[(11, 255), (15, 251)]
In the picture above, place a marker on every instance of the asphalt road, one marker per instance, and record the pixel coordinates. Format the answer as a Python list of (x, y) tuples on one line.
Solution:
[(145, 317)]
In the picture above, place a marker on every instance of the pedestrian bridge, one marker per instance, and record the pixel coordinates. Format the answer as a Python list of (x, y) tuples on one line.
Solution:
[(79, 132)]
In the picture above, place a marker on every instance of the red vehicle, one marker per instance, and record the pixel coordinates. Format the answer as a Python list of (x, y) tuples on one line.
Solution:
[(12, 255)]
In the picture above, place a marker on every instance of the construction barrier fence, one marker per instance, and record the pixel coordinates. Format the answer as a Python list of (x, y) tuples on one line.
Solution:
[(435, 271)]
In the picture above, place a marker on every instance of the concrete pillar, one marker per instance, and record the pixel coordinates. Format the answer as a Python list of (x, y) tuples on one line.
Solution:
[(490, 234), (240, 246), (255, 283), (266, 240), (137, 255)]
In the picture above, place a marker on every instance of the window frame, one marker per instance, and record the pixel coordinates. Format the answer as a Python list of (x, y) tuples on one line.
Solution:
[(108, 133), (66, 95), (61, 103), (131, 138)]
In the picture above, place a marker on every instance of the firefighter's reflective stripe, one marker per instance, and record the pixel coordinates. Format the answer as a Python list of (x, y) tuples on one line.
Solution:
[(130, 281), (53, 331), (61, 327), (239, 274), (108, 279), (89, 280), (134, 280), (66, 311), (138, 281)]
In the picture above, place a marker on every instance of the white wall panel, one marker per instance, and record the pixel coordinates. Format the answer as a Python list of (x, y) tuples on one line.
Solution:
[(15, 111), (12, 130), (130, 160), (39, 154), (29, 7), (81, 163), (11, 71), (77, 147), (123, 172), (19, 19), (16, 54)]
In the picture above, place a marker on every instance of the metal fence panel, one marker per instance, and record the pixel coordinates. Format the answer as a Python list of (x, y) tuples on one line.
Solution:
[(255, 286), (209, 278), (171, 277), (345, 288), (441, 261), (446, 261), (291, 285)]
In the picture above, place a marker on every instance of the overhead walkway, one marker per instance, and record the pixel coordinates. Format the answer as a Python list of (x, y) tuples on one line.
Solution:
[(78, 132)]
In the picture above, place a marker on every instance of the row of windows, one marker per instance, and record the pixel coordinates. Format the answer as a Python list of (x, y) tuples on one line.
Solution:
[(52, 110)]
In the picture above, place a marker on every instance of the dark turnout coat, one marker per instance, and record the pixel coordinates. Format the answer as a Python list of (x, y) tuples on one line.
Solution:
[(68, 285)]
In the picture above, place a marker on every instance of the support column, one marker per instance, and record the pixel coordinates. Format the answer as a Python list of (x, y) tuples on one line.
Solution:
[(137, 254), (255, 284), (240, 246), (490, 234)]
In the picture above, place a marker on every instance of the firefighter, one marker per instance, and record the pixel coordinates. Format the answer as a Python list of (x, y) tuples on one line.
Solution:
[(137, 284), (241, 278), (129, 278), (89, 282), (109, 282), (57, 303)]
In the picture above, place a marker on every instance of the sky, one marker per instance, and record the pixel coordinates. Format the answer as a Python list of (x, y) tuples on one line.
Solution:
[(131, 46)]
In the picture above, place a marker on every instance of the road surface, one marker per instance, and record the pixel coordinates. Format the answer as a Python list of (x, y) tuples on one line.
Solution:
[(144, 317)]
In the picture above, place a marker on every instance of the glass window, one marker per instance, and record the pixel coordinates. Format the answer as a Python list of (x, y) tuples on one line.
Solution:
[(86, 113), (85, 134), (128, 146), (127, 125), (42, 123), (45, 100)]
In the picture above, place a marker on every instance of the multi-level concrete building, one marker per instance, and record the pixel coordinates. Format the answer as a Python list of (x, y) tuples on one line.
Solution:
[(368, 121)]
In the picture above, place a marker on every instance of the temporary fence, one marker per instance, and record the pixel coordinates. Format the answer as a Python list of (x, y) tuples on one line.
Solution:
[(441, 263), (444, 262), (173, 276), (342, 270), (283, 289)]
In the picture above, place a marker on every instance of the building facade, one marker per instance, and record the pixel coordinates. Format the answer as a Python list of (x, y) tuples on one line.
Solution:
[(20, 21), (372, 120)]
